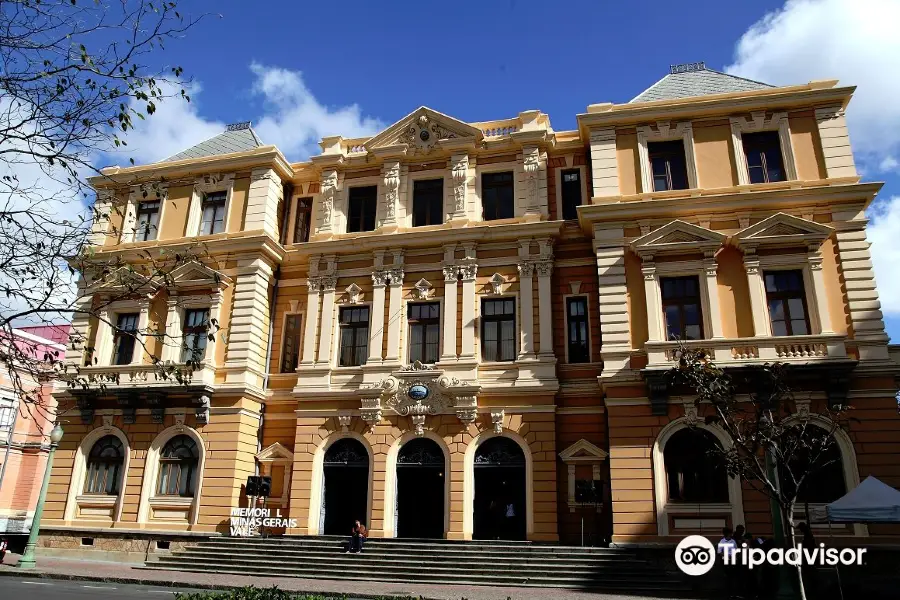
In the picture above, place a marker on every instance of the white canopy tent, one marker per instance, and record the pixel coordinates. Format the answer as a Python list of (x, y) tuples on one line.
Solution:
[(870, 502)]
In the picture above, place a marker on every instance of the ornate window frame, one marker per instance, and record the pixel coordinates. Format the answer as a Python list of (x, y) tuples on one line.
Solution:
[(316, 499), (129, 220), (148, 497), (340, 219), (75, 498), (277, 455), (104, 344), (582, 175), (760, 121), (582, 452), (735, 505), (407, 301), (665, 131), (479, 306), (513, 166), (336, 330), (444, 174), (211, 183)]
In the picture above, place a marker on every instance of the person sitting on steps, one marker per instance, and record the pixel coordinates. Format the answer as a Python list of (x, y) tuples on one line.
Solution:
[(357, 538)]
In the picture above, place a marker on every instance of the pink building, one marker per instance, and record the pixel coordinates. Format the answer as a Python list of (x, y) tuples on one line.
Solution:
[(24, 427)]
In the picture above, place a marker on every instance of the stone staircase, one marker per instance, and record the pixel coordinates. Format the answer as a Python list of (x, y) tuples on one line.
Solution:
[(433, 562)]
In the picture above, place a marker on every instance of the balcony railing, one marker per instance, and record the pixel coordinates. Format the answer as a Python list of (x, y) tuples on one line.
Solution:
[(740, 351), (144, 375)]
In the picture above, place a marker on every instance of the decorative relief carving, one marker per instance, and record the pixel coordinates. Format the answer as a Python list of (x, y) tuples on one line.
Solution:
[(451, 273), (344, 421), (329, 283), (396, 276), (544, 268), (354, 293), (370, 412), (466, 408), (468, 271), (460, 172), (423, 134), (526, 269), (202, 411), (497, 420), (531, 165), (690, 413), (179, 422), (423, 290), (497, 282), (803, 409), (391, 187), (418, 421), (329, 188)]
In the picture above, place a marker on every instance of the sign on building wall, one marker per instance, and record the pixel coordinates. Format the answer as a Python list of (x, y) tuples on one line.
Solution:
[(246, 522)]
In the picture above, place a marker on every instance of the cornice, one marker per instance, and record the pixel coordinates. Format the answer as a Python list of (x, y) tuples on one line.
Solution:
[(813, 93), (434, 237), (111, 177), (236, 243), (625, 208)]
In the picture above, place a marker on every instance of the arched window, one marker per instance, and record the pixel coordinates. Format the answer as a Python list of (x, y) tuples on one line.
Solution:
[(178, 467), (825, 481), (694, 472), (104, 466)]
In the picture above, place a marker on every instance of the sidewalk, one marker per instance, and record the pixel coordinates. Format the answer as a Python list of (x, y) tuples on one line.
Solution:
[(59, 568)]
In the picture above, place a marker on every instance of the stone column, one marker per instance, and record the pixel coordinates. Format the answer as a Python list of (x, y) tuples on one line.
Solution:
[(467, 273), (391, 170), (172, 342), (329, 283), (449, 324), (821, 295), (379, 280), (757, 288), (141, 335), (103, 344), (314, 284), (526, 297), (655, 331), (395, 316), (710, 268)]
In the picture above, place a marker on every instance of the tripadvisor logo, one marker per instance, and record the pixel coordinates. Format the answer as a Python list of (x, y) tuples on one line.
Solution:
[(696, 555)]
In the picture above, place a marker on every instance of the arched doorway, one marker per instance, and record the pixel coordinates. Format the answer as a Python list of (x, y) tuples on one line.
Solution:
[(499, 503), (421, 481), (345, 486)]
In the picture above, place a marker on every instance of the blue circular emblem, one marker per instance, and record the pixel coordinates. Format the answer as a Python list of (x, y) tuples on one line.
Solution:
[(418, 392)]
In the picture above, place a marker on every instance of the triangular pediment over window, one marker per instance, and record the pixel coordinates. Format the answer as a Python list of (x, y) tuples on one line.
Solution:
[(677, 237), (422, 130), (194, 274), (782, 230), (275, 453), (126, 280), (583, 451)]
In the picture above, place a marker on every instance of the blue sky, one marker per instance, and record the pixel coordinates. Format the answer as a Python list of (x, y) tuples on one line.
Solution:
[(301, 70)]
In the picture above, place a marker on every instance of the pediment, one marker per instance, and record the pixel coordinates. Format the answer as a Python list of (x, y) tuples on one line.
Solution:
[(583, 451), (782, 230), (275, 452), (127, 280), (195, 274), (422, 130), (678, 236)]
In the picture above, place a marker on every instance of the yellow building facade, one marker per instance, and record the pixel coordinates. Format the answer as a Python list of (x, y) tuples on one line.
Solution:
[(460, 330)]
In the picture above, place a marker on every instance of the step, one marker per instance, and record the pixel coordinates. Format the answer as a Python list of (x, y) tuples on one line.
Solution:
[(363, 574), (271, 543), (188, 553)]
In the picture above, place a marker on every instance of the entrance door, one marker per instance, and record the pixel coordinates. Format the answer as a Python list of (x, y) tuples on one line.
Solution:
[(420, 490), (499, 491), (346, 486)]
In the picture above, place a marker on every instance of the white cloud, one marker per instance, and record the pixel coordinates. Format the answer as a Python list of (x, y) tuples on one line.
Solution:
[(295, 120), (884, 233), (888, 163), (854, 41)]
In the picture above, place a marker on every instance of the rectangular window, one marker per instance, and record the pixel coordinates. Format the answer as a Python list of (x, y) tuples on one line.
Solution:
[(668, 165), (424, 332), (354, 336), (787, 303), (126, 328), (498, 330), (763, 152), (147, 221), (361, 212), (194, 332), (497, 196), (428, 202), (290, 345), (571, 193), (577, 323), (7, 416), (213, 207), (681, 306), (302, 220)]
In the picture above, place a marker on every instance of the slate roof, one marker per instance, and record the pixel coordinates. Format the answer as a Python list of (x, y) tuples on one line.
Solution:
[(236, 138), (697, 82)]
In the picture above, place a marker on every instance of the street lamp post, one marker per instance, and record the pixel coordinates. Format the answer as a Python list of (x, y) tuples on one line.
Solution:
[(28, 560)]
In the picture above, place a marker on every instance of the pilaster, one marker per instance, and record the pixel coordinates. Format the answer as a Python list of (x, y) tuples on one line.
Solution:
[(395, 308), (391, 172), (710, 270), (604, 168), (819, 291), (379, 280), (526, 309), (609, 245), (326, 331), (451, 283), (468, 271), (262, 201), (757, 289)]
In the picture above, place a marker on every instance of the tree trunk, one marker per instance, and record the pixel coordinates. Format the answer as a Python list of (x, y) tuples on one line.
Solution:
[(788, 520)]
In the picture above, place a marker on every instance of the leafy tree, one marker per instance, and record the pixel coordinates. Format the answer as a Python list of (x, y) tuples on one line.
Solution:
[(771, 448), (75, 77)]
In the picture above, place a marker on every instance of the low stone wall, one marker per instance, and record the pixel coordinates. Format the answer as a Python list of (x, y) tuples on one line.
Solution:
[(132, 546)]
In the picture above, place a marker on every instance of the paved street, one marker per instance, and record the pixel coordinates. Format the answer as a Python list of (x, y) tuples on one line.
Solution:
[(50, 589)]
